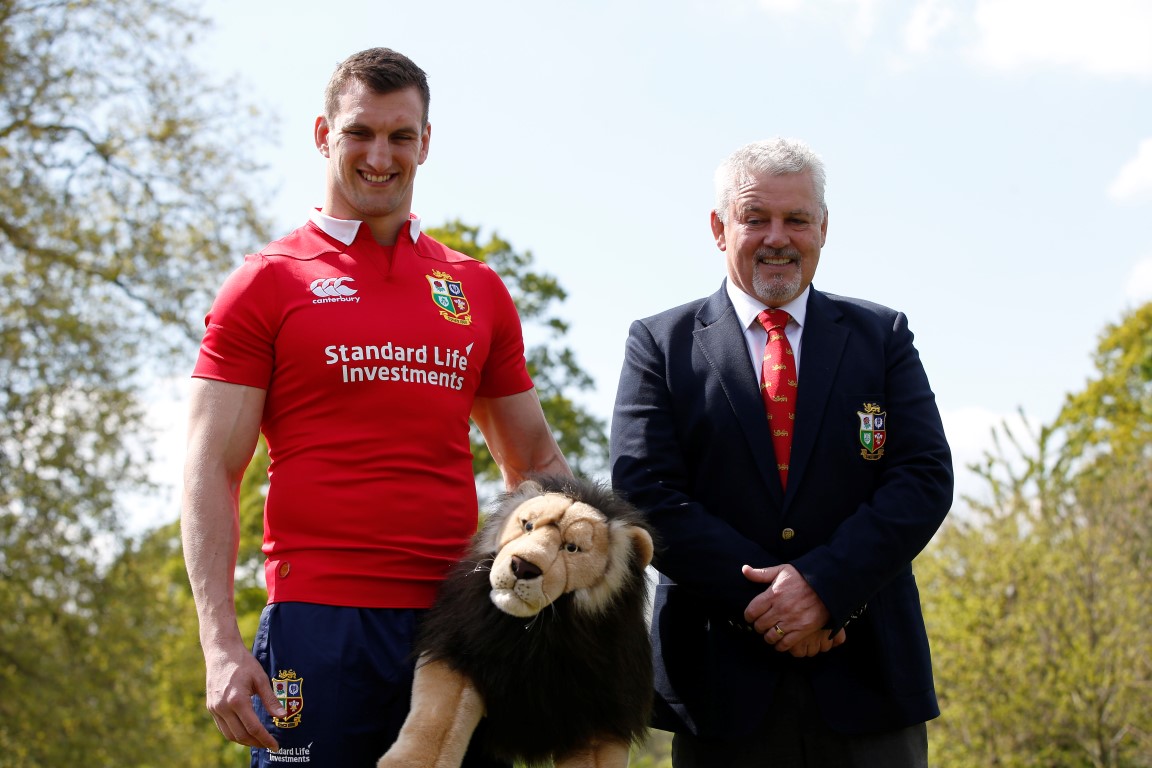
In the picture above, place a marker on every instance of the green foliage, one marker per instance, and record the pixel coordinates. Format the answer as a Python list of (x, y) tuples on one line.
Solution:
[(555, 372), (122, 204), (1037, 598), (655, 752), (120, 208), (1112, 416), (170, 682), (109, 679)]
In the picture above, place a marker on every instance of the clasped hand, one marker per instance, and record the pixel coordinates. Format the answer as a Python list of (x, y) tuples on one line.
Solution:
[(788, 614)]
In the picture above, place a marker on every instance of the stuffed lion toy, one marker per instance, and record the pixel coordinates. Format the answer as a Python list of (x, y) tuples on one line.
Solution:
[(540, 630)]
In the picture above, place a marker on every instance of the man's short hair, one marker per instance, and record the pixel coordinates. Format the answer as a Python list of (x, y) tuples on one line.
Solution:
[(383, 70), (772, 157)]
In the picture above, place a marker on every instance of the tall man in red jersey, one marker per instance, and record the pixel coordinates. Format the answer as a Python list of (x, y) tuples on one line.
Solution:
[(361, 348)]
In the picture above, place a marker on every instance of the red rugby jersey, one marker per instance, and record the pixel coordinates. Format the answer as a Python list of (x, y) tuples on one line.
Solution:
[(371, 360)]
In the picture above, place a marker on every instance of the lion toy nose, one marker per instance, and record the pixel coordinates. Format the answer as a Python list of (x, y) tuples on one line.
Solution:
[(523, 569)]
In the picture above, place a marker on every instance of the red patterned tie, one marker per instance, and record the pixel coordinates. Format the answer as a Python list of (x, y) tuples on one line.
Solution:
[(778, 386)]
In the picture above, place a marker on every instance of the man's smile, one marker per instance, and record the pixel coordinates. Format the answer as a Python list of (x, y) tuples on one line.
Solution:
[(376, 179), (777, 258)]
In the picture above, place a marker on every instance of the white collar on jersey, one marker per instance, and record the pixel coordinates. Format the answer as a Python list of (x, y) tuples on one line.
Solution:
[(345, 230)]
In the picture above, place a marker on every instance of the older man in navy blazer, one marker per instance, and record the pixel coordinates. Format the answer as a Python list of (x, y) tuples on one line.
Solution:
[(787, 623)]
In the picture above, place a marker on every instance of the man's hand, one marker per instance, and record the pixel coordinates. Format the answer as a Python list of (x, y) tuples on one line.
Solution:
[(234, 676), (817, 642), (789, 614)]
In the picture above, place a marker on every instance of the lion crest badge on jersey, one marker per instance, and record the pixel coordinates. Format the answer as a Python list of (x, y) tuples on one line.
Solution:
[(448, 295), (873, 431), (289, 689)]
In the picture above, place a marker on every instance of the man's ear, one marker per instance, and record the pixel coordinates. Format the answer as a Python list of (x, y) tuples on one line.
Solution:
[(320, 134), (718, 231), (425, 140)]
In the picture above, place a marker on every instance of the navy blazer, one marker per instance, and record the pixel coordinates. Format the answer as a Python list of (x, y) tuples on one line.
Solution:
[(691, 446)]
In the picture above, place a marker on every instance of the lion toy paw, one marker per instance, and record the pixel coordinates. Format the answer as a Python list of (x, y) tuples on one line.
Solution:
[(539, 631)]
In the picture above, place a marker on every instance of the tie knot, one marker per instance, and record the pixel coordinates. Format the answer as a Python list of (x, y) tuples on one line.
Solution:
[(773, 318)]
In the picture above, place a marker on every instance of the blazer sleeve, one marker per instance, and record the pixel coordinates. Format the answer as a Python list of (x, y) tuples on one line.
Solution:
[(885, 528), (659, 433)]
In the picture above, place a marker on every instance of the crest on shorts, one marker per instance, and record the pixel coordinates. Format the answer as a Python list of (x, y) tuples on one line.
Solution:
[(448, 295), (289, 689), (873, 431)]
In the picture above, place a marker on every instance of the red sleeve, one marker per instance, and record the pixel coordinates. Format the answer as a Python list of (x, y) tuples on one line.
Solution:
[(241, 328), (505, 372)]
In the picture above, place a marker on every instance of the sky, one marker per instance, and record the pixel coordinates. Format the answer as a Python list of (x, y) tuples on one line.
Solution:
[(989, 162)]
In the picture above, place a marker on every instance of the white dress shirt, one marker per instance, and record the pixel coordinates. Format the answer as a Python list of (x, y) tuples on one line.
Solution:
[(748, 310)]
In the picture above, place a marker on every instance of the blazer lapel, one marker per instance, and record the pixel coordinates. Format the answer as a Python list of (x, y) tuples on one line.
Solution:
[(720, 340), (822, 349)]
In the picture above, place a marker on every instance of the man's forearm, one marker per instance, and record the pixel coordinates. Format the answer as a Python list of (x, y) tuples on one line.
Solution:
[(210, 533)]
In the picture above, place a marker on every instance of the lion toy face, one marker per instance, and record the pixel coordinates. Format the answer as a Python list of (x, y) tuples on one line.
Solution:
[(551, 545)]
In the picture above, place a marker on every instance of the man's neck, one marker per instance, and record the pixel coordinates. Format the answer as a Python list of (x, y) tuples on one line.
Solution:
[(386, 230)]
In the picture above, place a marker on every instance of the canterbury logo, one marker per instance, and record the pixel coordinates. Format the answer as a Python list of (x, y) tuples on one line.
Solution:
[(332, 286)]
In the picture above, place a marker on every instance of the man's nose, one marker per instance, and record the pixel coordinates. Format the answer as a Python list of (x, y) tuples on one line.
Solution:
[(380, 155), (774, 235)]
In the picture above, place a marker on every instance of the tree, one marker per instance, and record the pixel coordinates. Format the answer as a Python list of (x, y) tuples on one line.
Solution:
[(1038, 598), (121, 205), (1111, 419), (1108, 434)]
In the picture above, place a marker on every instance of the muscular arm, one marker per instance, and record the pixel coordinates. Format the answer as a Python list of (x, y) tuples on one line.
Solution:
[(223, 427), (518, 436)]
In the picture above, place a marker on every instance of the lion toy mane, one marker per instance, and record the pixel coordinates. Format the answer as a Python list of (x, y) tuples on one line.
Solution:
[(540, 631)]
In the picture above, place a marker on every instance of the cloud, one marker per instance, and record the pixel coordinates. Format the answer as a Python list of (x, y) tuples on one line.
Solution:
[(1135, 178), (1138, 286), (928, 20), (1105, 37), (857, 19), (781, 6)]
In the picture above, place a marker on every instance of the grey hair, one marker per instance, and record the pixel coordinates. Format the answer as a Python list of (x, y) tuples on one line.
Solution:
[(774, 157)]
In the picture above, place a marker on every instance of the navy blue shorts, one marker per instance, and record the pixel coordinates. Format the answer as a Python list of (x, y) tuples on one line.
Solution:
[(345, 676)]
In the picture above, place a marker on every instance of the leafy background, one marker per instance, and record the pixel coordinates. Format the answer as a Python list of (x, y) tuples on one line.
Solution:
[(125, 196)]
